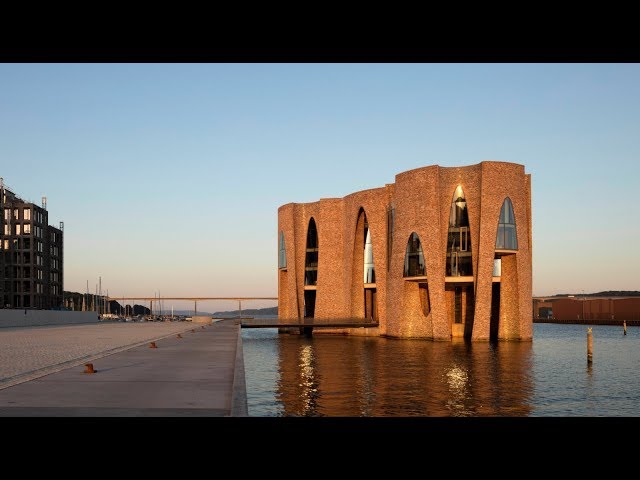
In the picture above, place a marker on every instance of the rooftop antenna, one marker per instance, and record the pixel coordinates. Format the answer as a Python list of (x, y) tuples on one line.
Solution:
[(44, 202), (62, 226)]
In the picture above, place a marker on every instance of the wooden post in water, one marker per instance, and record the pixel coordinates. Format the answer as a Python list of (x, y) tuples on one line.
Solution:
[(589, 346), (624, 325)]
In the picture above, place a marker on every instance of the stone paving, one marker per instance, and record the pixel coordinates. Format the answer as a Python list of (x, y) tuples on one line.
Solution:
[(197, 373), (27, 353)]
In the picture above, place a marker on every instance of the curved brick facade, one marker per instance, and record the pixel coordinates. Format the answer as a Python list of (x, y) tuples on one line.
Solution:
[(477, 307)]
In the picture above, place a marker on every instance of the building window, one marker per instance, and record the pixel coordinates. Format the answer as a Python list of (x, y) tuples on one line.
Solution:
[(311, 255), (7, 213), (27, 214), (7, 229), (506, 238), (391, 216), (27, 228), (458, 238), (369, 268), (282, 252), (18, 229), (497, 267), (15, 213), (414, 265)]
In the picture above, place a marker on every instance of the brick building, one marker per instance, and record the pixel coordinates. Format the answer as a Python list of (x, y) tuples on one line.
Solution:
[(31, 255), (587, 308), (443, 252)]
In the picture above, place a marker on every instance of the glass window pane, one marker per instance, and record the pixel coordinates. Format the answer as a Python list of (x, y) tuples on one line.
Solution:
[(282, 255), (414, 265), (497, 267), (459, 237), (506, 237), (369, 269), (311, 257)]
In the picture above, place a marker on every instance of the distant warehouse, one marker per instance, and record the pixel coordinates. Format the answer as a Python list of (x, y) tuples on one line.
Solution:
[(31, 254), (603, 307), (443, 252)]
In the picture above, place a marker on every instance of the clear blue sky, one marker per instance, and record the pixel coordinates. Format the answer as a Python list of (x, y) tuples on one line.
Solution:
[(168, 177)]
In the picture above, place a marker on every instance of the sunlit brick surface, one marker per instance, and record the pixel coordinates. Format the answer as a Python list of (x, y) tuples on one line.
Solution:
[(422, 201)]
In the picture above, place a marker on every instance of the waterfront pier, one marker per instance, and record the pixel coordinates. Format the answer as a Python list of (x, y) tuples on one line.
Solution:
[(196, 370)]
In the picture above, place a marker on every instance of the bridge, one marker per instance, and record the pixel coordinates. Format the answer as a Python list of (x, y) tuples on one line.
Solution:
[(195, 300)]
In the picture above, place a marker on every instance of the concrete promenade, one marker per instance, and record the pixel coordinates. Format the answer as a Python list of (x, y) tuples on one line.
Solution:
[(200, 374)]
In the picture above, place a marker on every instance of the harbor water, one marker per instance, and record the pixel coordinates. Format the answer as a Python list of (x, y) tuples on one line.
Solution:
[(336, 375)]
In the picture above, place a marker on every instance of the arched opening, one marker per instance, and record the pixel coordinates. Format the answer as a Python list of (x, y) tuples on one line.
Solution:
[(414, 265), (369, 270), (506, 238), (311, 270), (369, 267), (311, 255), (363, 276), (459, 239), (391, 216), (415, 270), (506, 248), (459, 268)]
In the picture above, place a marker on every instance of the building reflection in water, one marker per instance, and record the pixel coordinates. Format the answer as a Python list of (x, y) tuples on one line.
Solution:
[(331, 375)]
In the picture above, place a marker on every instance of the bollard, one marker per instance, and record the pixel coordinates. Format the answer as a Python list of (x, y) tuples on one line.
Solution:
[(89, 368), (624, 325), (589, 345), (179, 336), (152, 345)]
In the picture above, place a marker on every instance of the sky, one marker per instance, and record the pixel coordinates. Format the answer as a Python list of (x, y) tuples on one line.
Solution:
[(168, 177)]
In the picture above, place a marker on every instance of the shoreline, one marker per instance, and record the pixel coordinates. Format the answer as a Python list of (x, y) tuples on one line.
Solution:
[(630, 323)]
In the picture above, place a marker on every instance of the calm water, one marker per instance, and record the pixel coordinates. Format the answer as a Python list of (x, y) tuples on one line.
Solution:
[(290, 375)]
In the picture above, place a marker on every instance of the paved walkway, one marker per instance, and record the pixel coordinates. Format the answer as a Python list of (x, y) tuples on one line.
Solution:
[(202, 373)]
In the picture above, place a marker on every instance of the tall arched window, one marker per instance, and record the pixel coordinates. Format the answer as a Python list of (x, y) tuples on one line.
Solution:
[(459, 238), (414, 265), (311, 256), (391, 215), (369, 268), (506, 238), (282, 252)]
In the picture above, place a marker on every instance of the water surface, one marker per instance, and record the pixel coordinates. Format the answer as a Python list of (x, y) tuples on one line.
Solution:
[(330, 375)]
